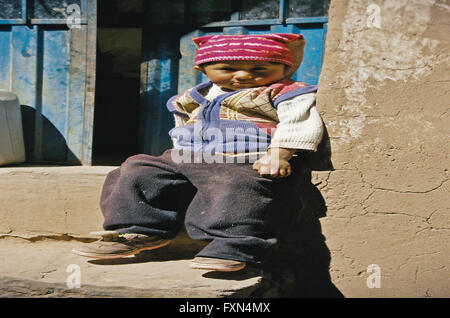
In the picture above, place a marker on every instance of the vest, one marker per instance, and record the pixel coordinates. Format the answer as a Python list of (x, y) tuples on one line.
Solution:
[(238, 122)]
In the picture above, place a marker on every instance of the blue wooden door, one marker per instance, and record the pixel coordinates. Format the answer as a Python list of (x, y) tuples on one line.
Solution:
[(175, 23), (47, 58)]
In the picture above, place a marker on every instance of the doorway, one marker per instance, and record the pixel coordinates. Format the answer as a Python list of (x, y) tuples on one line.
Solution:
[(119, 41)]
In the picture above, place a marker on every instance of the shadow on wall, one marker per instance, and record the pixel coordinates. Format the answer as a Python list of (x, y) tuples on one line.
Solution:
[(299, 265), (53, 146)]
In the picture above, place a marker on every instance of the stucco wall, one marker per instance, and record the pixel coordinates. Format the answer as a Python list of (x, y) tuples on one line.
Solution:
[(384, 96)]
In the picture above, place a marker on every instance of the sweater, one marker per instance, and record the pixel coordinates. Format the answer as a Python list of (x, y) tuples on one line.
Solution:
[(246, 121)]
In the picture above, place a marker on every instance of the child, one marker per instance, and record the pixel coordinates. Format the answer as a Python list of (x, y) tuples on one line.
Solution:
[(231, 172)]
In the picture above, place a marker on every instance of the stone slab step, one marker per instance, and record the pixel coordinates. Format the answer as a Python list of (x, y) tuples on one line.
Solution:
[(51, 199), (44, 211), (47, 268), (60, 202)]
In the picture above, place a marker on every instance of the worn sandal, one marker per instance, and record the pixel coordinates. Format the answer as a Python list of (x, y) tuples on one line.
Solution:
[(216, 264), (114, 245)]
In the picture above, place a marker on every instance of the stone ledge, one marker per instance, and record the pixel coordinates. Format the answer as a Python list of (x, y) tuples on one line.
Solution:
[(41, 269), (55, 199), (48, 209), (56, 202)]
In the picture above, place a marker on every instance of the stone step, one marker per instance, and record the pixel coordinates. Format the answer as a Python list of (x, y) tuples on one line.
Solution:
[(47, 210), (47, 268), (51, 199), (57, 201)]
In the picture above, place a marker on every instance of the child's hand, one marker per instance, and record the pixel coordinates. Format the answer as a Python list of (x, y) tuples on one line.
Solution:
[(275, 163)]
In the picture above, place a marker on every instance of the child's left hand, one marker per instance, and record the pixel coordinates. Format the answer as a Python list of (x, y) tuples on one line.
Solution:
[(275, 163)]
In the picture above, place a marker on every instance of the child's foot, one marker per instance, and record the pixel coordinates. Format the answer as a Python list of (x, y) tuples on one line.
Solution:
[(216, 264), (114, 245)]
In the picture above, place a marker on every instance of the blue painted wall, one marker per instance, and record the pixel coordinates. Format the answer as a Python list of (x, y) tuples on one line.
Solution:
[(44, 62)]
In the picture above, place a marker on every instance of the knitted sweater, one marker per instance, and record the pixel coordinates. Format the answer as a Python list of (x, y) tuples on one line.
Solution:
[(247, 121)]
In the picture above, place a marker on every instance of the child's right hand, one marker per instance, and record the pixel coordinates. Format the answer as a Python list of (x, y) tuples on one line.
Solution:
[(275, 163)]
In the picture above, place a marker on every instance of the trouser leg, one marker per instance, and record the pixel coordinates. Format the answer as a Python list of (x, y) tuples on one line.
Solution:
[(231, 210), (146, 195), (230, 205)]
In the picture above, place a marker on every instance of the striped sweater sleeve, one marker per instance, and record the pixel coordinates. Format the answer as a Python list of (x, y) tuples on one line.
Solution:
[(300, 126)]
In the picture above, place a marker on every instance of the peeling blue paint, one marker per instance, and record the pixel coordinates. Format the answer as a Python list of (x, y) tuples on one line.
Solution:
[(44, 64)]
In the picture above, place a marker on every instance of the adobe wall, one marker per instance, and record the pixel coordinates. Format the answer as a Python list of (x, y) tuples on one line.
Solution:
[(384, 96)]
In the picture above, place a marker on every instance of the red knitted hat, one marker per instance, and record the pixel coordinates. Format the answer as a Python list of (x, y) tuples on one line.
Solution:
[(259, 47)]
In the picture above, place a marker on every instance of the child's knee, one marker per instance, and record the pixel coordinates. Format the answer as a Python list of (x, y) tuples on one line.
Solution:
[(136, 161)]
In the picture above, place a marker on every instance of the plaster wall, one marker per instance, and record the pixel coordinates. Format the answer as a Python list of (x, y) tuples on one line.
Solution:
[(384, 95)]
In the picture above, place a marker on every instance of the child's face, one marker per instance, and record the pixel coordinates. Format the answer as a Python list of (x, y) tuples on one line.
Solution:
[(234, 75)]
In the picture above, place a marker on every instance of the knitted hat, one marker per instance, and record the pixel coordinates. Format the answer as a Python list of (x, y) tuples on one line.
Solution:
[(279, 47)]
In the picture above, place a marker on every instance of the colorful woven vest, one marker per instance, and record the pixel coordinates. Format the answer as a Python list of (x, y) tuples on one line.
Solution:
[(237, 122)]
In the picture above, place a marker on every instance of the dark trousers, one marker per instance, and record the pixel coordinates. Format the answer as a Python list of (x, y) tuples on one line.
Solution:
[(240, 213)]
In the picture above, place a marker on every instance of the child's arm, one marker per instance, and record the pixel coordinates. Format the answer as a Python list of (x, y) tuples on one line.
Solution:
[(300, 128)]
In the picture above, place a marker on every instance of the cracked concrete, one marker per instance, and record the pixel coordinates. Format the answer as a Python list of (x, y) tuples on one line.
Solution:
[(384, 94)]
